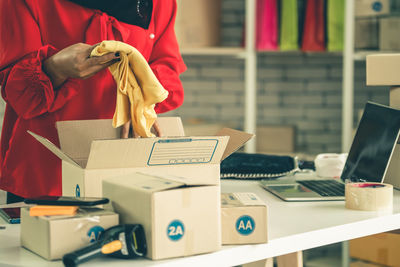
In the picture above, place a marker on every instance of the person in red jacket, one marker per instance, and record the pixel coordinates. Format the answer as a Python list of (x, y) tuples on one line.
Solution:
[(46, 75)]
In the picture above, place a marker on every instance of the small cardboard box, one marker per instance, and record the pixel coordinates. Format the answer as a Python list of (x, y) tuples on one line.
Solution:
[(380, 248), (364, 8), (389, 39), (275, 139), (198, 23), (53, 236), (180, 216), (366, 33), (91, 150), (243, 219), (382, 69)]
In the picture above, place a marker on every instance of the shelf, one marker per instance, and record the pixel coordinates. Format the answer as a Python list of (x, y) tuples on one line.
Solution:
[(221, 51), (240, 52), (362, 54)]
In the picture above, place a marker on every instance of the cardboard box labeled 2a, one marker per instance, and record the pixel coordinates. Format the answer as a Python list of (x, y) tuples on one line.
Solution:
[(91, 151), (243, 219), (54, 236), (180, 216)]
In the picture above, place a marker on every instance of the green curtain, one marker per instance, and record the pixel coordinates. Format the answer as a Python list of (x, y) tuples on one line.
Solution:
[(289, 33), (335, 25)]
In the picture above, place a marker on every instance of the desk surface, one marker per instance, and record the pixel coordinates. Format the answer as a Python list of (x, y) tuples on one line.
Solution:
[(293, 226)]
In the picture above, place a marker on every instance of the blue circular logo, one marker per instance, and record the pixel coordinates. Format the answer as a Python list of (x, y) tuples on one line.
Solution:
[(175, 230), (77, 191), (245, 225), (377, 6), (94, 233)]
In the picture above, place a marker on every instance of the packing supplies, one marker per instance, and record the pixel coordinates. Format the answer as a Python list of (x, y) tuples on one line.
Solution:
[(125, 241), (180, 216), (43, 210), (91, 151), (243, 219), (382, 69), (369, 196), (52, 237)]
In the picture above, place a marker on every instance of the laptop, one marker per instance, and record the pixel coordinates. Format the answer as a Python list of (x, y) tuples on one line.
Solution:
[(367, 160)]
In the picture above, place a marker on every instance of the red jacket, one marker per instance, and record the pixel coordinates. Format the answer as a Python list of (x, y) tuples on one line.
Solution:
[(30, 32)]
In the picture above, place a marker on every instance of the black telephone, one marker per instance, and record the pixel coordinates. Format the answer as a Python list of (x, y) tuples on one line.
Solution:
[(257, 166)]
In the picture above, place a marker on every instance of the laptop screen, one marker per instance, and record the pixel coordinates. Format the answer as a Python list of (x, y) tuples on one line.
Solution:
[(373, 144)]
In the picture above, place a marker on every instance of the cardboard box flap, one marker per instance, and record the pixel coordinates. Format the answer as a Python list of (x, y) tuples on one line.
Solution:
[(171, 126), (76, 136), (237, 139), (144, 182), (53, 148), (160, 151)]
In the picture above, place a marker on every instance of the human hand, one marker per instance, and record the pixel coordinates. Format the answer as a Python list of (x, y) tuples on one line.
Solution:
[(74, 62), (127, 126)]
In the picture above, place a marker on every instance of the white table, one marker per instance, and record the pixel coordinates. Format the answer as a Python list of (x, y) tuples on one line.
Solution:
[(292, 227)]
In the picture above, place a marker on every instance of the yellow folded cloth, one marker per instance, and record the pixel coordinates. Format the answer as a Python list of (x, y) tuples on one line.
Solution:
[(138, 89)]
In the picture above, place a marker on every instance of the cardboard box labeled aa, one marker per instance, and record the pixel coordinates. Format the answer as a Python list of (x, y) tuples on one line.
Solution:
[(382, 69), (365, 8), (91, 150), (53, 236), (243, 219), (380, 248), (180, 216)]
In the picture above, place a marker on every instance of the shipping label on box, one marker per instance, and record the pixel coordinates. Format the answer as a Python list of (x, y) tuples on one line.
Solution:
[(180, 217), (54, 236), (92, 150), (243, 219), (365, 8)]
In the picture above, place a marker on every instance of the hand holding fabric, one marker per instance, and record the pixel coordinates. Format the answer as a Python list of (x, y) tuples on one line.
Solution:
[(74, 62)]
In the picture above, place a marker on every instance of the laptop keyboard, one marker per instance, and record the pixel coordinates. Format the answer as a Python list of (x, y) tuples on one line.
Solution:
[(324, 187)]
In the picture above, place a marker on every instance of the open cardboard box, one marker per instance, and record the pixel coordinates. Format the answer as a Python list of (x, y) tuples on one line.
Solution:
[(91, 151)]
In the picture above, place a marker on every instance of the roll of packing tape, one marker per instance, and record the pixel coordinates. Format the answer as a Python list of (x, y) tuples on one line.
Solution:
[(369, 196), (330, 164)]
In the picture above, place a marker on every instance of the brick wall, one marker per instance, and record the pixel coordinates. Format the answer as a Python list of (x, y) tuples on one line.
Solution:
[(303, 90), (294, 88)]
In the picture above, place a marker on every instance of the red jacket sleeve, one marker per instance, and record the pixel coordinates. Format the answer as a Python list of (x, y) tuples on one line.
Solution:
[(165, 60), (24, 85)]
